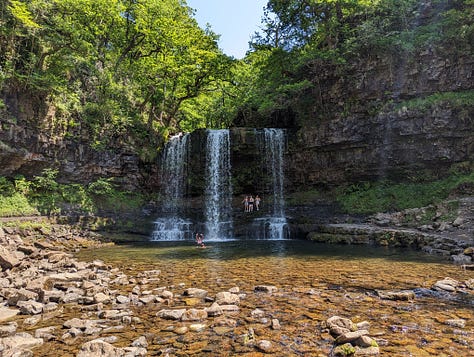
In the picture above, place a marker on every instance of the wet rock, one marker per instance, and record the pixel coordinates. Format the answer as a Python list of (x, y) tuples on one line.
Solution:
[(21, 295), (181, 330), (257, 313), (8, 260), (266, 288), (171, 314), (32, 321), (194, 315), (404, 295), (276, 324), (148, 299), (98, 348), (225, 321), (19, 342), (363, 325), (461, 259), (350, 336), (140, 342), (265, 346), (227, 298), (230, 308), (365, 341), (46, 333), (339, 325), (8, 330), (447, 284), (30, 307), (214, 310), (165, 294), (469, 284), (134, 352), (121, 299), (456, 323), (195, 292), (101, 298), (197, 327)]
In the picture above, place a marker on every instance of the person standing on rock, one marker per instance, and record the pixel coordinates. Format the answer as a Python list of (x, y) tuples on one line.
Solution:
[(257, 202), (246, 203), (251, 201)]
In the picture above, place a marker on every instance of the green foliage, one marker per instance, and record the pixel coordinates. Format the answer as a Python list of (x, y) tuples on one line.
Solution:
[(366, 198), (112, 72), (464, 99), (44, 195), (16, 204)]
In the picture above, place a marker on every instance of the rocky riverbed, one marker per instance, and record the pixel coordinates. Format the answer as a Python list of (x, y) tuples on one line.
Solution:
[(53, 303)]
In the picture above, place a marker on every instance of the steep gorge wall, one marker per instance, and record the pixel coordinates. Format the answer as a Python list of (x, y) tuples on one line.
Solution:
[(373, 129), (30, 142)]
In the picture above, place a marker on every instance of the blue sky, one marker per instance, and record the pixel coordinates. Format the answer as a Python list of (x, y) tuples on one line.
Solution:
[(235, 20)]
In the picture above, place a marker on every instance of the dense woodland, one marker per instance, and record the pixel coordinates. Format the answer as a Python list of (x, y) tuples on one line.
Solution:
[(117, 73)]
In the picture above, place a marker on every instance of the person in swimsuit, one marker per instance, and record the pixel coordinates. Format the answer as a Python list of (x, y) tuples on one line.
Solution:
[(200, 239)]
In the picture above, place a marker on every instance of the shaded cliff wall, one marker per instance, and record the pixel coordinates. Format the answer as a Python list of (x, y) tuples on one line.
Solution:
[(31, 140), (366, 124)]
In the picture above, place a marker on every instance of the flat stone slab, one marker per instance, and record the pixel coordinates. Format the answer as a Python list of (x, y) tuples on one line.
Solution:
[(6, 313)]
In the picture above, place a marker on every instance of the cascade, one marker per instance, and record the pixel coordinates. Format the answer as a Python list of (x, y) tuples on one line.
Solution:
[(218, 192), (171, 226), (272, 145)]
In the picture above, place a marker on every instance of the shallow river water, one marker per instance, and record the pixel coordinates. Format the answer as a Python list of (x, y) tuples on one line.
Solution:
[(314, 282)]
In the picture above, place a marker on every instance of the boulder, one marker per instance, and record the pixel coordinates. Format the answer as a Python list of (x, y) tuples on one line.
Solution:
[(214, 310), (227, 298), (8, 260), (171, 314), (20, 342), (195, 292), (99, 348), (30, 307), (194, 315), (266, 288), (339, 325), (404, 295), (6, 313), (350, 336)]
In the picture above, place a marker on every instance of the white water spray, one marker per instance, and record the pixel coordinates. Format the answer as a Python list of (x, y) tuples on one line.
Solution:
[(218, 195)]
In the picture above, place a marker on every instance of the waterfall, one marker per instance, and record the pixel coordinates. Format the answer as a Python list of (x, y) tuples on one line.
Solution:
[(218, 193), (171, 226), (272, 147)]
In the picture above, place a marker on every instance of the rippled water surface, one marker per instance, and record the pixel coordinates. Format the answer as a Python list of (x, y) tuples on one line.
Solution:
[(315, 282)]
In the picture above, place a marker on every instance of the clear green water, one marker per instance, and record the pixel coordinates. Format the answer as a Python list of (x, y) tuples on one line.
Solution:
[(314, 282)]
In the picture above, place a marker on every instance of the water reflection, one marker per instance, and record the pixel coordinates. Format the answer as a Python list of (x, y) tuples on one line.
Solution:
[(238, 249)]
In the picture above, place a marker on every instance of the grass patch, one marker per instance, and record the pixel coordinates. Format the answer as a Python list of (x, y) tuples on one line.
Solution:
[(16, 205), (462, 99), (44, 195), (385, 196)]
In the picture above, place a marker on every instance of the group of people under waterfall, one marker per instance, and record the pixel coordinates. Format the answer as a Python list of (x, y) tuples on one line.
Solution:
[(251, 203)]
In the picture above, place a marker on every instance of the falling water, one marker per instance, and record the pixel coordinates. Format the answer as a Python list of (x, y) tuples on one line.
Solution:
[(275, 225), (171, 226), (218, 203)]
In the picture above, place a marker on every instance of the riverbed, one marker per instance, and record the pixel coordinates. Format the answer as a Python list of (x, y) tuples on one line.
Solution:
[(314, 282)]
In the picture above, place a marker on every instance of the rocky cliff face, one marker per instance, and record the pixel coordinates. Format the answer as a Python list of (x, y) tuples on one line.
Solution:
[(375, 130), (364, 125), (29, 142)]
